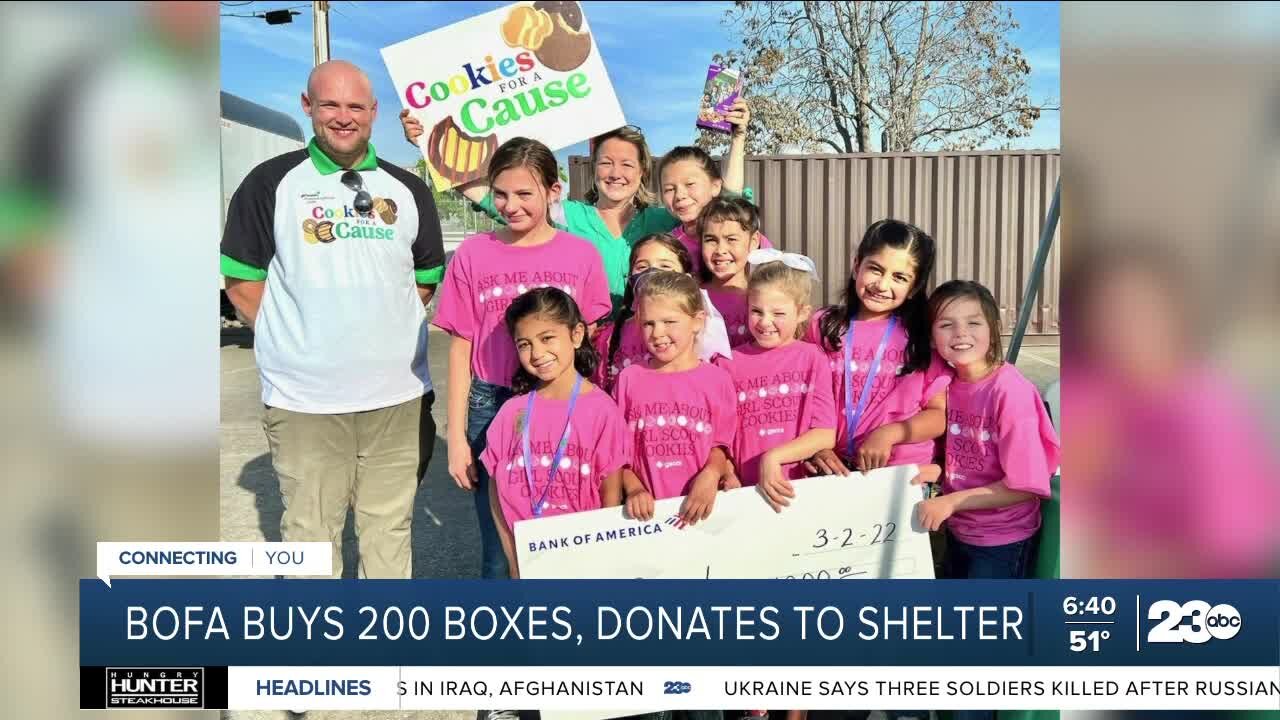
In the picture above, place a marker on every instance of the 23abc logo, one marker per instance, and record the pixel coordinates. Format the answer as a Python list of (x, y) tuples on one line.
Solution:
[(1192, 622), (675, 687)]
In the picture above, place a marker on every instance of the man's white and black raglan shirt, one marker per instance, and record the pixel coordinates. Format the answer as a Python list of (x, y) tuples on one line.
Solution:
[(341, 327)]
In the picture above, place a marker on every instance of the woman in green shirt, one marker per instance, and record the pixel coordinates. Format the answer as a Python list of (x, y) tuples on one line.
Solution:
[(620, 207)]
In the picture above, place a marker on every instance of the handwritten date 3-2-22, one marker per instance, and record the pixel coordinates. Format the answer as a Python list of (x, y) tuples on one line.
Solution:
[(845, 537), (829, 541)]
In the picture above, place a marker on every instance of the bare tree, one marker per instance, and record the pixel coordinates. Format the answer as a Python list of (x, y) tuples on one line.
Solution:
[(920, 75)]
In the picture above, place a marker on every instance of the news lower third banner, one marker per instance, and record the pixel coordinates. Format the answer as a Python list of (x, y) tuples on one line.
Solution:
[(619, 647)]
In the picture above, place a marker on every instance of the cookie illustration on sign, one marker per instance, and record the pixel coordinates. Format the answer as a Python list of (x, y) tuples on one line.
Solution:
[(456, 156), (552, 29), (569, 11), (567, 47), (526, 27)]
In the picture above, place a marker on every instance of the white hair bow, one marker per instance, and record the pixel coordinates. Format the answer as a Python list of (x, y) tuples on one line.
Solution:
[(791, 260), (715, 336)]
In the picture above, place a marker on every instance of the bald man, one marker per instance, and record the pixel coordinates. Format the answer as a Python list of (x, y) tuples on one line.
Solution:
[(331, 255), (340, 102)]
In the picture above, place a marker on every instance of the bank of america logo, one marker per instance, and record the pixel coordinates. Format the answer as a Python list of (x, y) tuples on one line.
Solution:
[(143, 687)]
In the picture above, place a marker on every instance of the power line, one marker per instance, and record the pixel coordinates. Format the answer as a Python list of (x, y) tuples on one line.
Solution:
[(345, 16), (364, 13), (372, 18)]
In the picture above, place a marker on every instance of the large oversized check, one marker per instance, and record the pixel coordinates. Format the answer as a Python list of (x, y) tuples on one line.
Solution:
[(860, 526)]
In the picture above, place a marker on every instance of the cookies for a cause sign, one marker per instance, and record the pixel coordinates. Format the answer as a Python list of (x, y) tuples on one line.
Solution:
[(529, 69)]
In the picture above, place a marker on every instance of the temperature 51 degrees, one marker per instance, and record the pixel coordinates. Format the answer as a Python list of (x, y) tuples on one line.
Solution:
[(1090, 640)]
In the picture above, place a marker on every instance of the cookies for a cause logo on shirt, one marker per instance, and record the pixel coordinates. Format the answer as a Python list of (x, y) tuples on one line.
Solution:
[(324, 223)]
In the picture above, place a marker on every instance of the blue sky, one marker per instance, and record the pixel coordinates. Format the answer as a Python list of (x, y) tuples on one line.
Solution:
[(658, 83)]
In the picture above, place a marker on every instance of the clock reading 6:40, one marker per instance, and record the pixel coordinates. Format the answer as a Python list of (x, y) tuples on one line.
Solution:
[(1090, 606)]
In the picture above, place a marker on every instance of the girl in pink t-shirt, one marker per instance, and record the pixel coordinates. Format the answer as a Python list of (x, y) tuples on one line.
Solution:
[(620, 343), (486, 274), (1001, 446), (730, 231), (786, 410), (886, 383), (678, 408), (559, 446), (689, 179)]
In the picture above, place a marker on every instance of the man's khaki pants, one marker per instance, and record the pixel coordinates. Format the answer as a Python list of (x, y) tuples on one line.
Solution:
[(371, 461)]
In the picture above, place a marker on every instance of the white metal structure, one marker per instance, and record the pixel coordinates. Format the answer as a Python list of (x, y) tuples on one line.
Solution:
[(251, 134)]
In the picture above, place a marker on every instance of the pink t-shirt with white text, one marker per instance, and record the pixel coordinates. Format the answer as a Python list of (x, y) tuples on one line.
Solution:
[(675, 420), (893, 397), (782, 393), (695, 248), (632, 350), (486, 275), (998, 430), (733, 306), (598, 445)]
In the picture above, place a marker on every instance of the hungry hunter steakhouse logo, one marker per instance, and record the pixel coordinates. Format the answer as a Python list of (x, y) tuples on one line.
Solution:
[(155, 687)]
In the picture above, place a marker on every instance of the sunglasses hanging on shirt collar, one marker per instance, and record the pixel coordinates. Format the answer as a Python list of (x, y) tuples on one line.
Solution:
[(364, 201)]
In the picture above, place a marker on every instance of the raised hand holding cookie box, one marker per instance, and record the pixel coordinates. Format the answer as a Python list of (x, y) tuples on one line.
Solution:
[(721, 91), (528, 69)]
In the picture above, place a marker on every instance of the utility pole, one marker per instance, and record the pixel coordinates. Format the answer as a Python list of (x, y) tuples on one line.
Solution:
[(320, 23)]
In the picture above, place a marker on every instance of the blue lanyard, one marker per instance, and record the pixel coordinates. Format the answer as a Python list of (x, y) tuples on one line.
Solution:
[(541, 505), (851, 415)]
